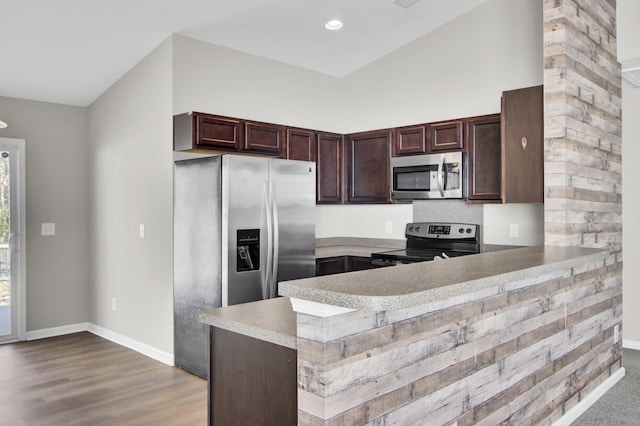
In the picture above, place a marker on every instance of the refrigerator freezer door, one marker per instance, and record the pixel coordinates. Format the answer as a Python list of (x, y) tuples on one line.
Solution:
[(197, 269), (293, 185), (244, 209)]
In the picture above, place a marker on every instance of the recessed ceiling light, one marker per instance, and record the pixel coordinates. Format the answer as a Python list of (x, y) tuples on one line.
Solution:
[(406, 3), (333, 25)]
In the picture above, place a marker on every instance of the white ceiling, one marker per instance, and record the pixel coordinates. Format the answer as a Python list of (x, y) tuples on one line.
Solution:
[(71, 51)]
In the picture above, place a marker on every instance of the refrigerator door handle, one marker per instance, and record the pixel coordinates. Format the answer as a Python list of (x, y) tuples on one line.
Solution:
[(266, 285), (273, 282)]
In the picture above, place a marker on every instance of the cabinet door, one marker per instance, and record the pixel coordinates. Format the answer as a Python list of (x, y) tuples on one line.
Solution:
[(409, 141), (301, 144), (329, 169), (484, 158), (331, 265), (214, 132), (367, 163), (522, 146), (445, 136), (358, 263), (252, 382), (264, 138)]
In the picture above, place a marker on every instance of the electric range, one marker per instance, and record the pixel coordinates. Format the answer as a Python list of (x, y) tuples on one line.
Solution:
[(432, 241)]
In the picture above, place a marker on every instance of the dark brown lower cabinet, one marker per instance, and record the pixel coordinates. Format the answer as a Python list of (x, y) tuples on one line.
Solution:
[(357, 263), (341, 264), (252, 382)]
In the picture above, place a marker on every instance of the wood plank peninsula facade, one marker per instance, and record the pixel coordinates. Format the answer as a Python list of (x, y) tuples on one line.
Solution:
[(516, 336)]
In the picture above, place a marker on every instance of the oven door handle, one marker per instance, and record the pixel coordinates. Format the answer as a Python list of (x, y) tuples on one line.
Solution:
[(441, 175)]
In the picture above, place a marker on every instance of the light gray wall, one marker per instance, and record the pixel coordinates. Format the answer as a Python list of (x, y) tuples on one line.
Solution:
[(458, 70), (57, 190), (629, 48), (628, 13), (218, 80), (631, 213), (131, 173)]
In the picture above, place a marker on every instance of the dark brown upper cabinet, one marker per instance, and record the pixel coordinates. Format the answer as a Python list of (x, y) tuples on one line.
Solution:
[(522, 146), (204, 131), (367, 157), (445, 136), (410, 140), (264, 138), (196, 130), (301, 144), (484, 159), (330, 157)]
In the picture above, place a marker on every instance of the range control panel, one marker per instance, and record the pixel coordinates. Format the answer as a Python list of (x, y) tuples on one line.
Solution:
[(441, 230)]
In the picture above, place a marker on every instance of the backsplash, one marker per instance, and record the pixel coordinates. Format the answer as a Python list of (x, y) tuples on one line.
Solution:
[(447, 211), (494, 220)]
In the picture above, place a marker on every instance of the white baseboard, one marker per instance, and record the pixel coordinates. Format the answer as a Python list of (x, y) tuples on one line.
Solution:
[(57, 331), (631, 344), (144, 349), (579, 409)]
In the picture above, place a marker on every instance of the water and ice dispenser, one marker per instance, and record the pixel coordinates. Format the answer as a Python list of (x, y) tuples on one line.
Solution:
[(248, 252)]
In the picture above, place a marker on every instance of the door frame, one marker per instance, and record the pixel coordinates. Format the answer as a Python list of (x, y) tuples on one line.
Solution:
[(19, 268)]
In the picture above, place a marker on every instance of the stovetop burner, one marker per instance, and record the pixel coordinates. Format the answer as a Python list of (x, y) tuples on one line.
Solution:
[(431, 240)]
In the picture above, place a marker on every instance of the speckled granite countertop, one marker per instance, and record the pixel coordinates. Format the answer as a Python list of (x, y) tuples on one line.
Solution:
[(394, 287), (270, 320), (415, 284)]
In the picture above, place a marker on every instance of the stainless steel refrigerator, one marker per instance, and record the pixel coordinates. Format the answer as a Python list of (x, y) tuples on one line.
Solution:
[(241, 225)]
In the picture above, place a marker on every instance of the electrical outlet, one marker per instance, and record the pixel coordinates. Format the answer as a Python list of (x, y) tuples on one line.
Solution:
[(513, 230), (114, 304), (616, 334), (388, 227), (141, 230), (48, 229)]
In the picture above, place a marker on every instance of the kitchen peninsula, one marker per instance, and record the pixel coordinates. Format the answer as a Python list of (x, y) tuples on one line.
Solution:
[(516, 335)]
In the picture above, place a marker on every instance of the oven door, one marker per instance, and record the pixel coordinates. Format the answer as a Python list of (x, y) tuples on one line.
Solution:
[(432, 176)]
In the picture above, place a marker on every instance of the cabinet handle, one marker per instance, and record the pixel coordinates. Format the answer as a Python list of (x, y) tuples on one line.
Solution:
[(524, 142)]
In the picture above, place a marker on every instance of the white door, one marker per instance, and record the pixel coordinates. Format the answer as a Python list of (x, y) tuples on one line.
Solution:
[(12, 240)]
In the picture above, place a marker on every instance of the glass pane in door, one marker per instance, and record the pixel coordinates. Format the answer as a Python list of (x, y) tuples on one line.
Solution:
[(5, 252)]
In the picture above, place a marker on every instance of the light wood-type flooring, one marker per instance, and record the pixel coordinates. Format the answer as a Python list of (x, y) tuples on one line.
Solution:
[(82, 379)]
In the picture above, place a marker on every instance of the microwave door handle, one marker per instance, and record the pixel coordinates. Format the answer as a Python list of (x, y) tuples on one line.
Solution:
[(441, 175)]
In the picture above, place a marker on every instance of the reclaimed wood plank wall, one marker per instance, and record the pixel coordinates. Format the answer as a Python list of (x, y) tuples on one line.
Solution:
[(583, 126), (583, 131), (521, 355)]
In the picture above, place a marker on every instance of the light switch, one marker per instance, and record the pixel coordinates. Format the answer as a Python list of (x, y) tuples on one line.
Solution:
[(141, 230), (48, 229), (513, 230)]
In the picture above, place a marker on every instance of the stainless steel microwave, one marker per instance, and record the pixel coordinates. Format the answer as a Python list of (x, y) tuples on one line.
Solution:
[(430, 176)]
